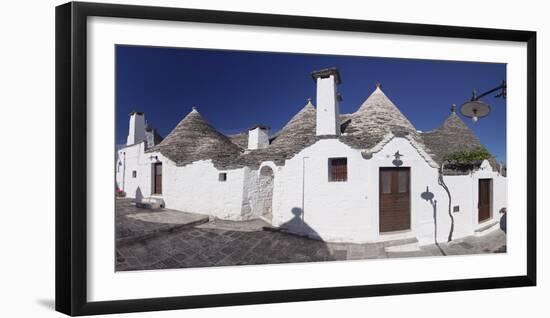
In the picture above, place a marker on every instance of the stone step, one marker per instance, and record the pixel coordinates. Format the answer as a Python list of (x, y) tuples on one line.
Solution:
[(398, 242), (150, 203), (402, 245), (410, 247), (487, 228)]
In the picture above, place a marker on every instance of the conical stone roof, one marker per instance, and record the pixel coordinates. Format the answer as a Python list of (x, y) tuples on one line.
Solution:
[(376, 117), (453, 135), (299, 131), (240, 139), (195, 139), (297, 134)]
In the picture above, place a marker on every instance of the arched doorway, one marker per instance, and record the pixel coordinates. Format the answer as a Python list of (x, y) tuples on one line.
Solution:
[(265, 195)]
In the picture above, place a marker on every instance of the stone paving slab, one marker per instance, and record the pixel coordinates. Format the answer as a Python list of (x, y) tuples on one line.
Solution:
[(241, 226), (229, 243), (134, 224)]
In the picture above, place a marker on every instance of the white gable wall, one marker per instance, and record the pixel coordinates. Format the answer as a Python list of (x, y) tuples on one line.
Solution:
[(423, 177), (348, 211)]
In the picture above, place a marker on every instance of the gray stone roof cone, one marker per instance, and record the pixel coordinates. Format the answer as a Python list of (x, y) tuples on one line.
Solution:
[(376, 117), (453, 135), (194, 139), (297, 134)]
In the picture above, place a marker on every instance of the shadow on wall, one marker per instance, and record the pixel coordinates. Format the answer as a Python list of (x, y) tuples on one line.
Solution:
[(429, 196), (298, 226)]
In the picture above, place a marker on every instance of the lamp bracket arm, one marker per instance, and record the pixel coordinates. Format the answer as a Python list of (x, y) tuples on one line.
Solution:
[(501, 87)]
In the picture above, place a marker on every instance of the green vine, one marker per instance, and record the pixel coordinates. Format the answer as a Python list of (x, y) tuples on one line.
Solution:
[(466, 159)]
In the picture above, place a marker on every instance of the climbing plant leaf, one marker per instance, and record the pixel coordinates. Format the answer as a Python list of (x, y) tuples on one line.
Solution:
[(467, 159)]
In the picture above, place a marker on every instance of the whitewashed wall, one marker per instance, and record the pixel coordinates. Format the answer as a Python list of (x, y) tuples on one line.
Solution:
[(192, 188), (349, 211), (333, 211), (305, 202), (133, 158), (463, 194), (257, 193), (196, 188), (423, 180)]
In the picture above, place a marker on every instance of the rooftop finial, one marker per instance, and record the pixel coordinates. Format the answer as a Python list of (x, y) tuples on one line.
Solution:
[(453, 109), (378, 85), (194, 108)]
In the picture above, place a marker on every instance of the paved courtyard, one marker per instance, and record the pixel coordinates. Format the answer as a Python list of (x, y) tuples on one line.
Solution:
[(133, 224), (189, 240)]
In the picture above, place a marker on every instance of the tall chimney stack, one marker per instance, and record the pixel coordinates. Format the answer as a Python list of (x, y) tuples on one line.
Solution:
[(328, 112), (258, 137), (136, 130)]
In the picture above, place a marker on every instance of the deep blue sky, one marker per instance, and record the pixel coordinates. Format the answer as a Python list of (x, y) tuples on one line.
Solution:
[(235, 89)]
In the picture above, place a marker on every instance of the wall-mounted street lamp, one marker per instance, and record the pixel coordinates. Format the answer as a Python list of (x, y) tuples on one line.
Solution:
[(397, 161), (154, 158), (475, 108)]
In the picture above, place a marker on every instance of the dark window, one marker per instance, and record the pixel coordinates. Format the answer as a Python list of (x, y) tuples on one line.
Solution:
[(386, 176), (157, 170), (222, 177), (338, 169), (134, 173), (403, 181)]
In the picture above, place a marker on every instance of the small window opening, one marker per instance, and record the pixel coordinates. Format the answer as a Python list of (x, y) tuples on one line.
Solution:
[(338, 169)]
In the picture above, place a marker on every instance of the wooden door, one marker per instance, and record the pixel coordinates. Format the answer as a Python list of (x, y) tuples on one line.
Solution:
[(157, 186), (395, 199), (484, 201)]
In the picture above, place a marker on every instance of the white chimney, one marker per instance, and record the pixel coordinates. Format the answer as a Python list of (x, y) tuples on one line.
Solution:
[(328, 113), (136, 131), (258, 137)]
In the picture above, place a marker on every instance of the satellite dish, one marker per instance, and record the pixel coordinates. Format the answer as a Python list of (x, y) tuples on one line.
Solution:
[(475, 109)]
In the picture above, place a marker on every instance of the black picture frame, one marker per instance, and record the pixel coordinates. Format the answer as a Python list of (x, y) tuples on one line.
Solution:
[(71, 157)]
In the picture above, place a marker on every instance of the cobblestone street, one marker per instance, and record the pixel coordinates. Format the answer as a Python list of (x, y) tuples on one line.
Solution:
[(219, 243)]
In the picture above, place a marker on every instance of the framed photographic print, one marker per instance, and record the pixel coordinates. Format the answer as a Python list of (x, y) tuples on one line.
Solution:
[(210, 158)]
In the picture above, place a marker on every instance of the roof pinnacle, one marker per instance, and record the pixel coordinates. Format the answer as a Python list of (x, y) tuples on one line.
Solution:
[(453, 109)]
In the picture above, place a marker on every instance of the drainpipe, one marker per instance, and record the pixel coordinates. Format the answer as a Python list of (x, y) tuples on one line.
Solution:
[(441, 182), (124, 172)]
